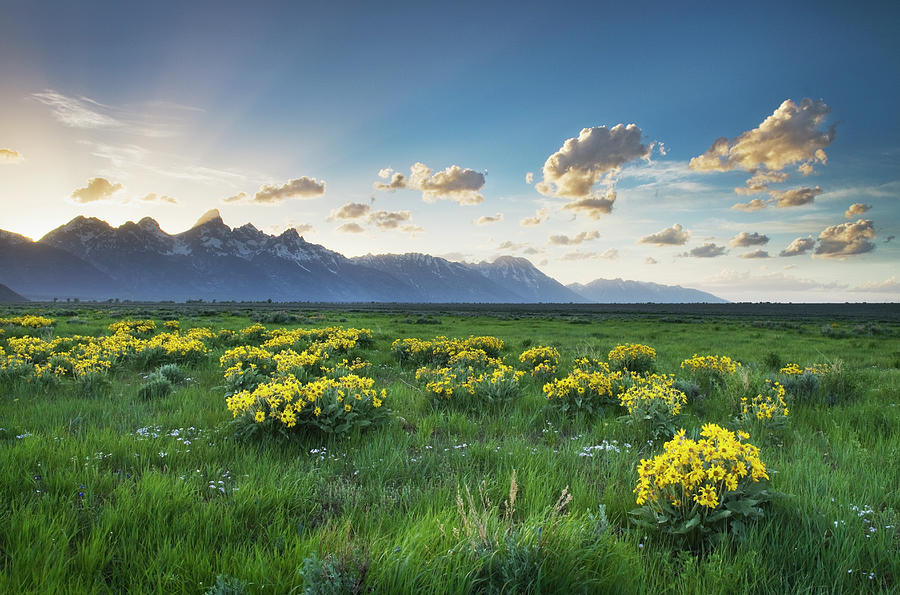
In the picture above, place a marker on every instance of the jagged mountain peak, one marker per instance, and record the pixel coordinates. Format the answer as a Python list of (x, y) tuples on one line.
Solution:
[(149, 223), (209, 216)]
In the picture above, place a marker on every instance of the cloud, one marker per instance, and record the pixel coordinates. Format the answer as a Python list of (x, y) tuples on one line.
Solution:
[(454, 183), (390, 220), (790, 135), (578, 255), (350, 228), (351, 210), (846, 239), (76, 112), (595, 156), (396, 180), (96, 189), (153, 197), (798, 247), (412, 229), (708, 250), (759, 183), (745, 239), (487, 219), (539, 217), (744, 281), (303, 228), (758, 253), (8, 156), (888, 286), (805, 169), (650, 260), (304, 187), (670, 236), (564, 240), (511, 246), (529, 177), (531, 250), (239, 197), (855, 209), (594, 207), (795, 197), (754, 205), (610, 254)]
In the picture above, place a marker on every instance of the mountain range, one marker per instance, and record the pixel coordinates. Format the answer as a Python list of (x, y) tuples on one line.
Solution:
[(87, 258)]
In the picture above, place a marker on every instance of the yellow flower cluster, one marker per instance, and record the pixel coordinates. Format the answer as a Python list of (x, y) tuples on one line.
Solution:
[(721, 364), (647, 391), (439, 350), (770, 406), (494, 382), (28, 321), (132, 327), (699, 473), (634, 357), (796, 370), (474, 358), (239, 360), (286, 401), (540, 360)]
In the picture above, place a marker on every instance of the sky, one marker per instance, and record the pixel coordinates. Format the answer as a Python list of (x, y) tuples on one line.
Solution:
[(752, 151)]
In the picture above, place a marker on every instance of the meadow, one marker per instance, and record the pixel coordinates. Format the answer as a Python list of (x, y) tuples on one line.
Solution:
[(209, 449)]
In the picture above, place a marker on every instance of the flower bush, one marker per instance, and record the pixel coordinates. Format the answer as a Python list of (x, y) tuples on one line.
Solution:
[(698, 486), (27, 321), (709, 371), (438, 351), (768, 410), (653, 403), (633, 357), (467, 386), (288, 406), (540, 361), (590, 386)]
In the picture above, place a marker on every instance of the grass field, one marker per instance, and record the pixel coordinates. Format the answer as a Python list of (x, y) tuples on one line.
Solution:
[(105, 488)]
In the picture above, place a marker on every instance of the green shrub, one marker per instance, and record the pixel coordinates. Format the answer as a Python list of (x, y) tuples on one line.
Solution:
[(157, 386)]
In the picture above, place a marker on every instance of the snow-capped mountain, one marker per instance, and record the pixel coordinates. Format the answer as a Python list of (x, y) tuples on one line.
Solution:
[(526, 280), (618, 291), (90, 259)]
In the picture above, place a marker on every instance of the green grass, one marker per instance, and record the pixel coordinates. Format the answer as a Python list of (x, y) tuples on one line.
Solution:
[(114, 493)]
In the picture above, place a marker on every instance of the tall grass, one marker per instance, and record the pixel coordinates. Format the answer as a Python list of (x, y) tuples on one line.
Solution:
[(110, 492)]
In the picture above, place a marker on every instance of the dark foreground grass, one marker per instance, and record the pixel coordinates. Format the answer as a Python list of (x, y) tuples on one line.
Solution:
[(109, 492)]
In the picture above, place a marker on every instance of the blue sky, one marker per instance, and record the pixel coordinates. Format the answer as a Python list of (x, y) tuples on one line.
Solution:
[(166, 110)]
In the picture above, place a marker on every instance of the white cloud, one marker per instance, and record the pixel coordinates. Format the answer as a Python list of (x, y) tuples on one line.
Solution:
[(650, 260), (539, 217), (391, 220), (791, 135), (611, 253), (745, 239), (577, 255), (888, 286), (487, 219), (670, 236), (97, 189), (708, 250), (595, 207), (754, 205), (759, 183), (798, 247), (529, 177), (512, 246), (595, 157), (795, 197), (350, 210), (758, 253), (239, 197), (564, 240), (855, 209), (303, 187), (350, 228), (454, 183), (9, 157), (77, 112), (846, 239), (153, 197)]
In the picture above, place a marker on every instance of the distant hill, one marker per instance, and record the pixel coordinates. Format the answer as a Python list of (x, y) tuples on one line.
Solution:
[(8, 296), (617, 291), (88, 258)]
